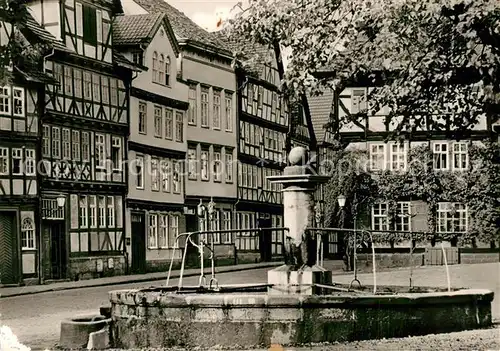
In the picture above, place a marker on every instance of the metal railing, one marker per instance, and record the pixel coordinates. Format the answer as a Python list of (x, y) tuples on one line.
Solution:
[(201, 246)]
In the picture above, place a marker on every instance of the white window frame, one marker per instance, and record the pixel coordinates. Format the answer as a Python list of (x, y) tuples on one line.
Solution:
[(229, 113), (18, 99), (116, 144), (403, 216), (155, 174), (155, 67), (229, 167), (83, 211), (169, 124), (17, 154), (158, 117), (204, 157), (447, 216), (85, 146), (56, 142), (4, 161), (164, 222), (100, 146), (358, 100), (460, 154), (173, 230), (153, 231), (92, 200), (380, 216), (165, 171), (217, 166), (192, 172), (75, 145), (192, 105), (204, 108), (5, 100), (30, 162), (440, 155), (139, 159), (143, 118), (102, 211), (216, 120), (66, 144), (28, 241), (179, 126), (176, 178), (226, 225), (378, 153), (398, 156), (111, 212), (46, 146)]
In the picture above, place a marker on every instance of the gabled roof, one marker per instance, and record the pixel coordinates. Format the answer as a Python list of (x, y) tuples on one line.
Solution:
[(40, 33), (135, 29), (320, 108), (184, 28)]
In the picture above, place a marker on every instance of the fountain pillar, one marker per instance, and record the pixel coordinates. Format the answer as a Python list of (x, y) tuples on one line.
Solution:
[(300, 272)]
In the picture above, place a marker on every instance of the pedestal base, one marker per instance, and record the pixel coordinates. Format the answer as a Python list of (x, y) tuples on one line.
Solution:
[(287, 281)]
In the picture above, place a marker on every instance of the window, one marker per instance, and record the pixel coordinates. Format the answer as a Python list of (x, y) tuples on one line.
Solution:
[(204, 107), (179, 127), (29, 166), (379, 217), (18, 101), (398, 157), (114, 92), (99, 25), (174, 231), (111, 211), (28, 234), (229, 167), (75, 145), (66, 144), (96, 87), (169, 124), (77, 78), (158, 124), (452, 217), (441, 156), (217, 167), (68, 81), (216, 118), (155, 66), (102, 212), (229, 114), (165, 168), (192, 106), (83, 212), (4, 161), (177, 178), (93, 211), (100, 145), (377, 157), (153, 231), (85, 146), (105, 89), (226, 225), (167, 70), (58, 75), (215, 225), (161, 69), (143, 108), (87, 86), (460, 157), (204, 165), (155, 175), (403, 217), (192, 164), (89, 25), (46, 141), (163, 235), (17, 161), (139, 171), (358, 101), (138, 58), (5, 100), (116, 153)]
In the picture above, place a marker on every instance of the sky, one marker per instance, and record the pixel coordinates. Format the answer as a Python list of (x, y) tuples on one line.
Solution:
[(205, 13)]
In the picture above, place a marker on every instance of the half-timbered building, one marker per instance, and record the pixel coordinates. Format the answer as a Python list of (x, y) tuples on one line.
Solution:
[(21, 104), (211, 135), (157, 144), (371, 134), (84, 134)]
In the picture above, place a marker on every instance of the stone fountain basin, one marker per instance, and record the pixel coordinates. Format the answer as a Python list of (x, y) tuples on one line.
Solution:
[(157, 318)]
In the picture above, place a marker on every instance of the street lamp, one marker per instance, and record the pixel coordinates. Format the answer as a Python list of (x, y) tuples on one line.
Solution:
[(341, 201), (61, 200)]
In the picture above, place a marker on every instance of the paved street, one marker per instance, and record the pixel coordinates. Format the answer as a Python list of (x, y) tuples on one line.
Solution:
[(35, 318)]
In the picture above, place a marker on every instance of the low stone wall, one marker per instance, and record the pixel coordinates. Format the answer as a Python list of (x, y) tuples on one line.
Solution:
[(388, 260), (81, 268), (471, 258), (155, 319)]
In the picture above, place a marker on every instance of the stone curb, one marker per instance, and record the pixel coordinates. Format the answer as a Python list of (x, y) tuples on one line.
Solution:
[(139, 279)]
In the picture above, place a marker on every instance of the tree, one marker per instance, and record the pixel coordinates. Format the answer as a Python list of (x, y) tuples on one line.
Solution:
[(421, 57)]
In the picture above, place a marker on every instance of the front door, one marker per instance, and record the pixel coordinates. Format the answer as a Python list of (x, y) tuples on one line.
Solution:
[(138, 242), (9, 263), (265, 239), (57, 250)]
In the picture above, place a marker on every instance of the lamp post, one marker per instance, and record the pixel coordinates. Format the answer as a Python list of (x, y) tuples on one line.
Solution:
[(341, 201)]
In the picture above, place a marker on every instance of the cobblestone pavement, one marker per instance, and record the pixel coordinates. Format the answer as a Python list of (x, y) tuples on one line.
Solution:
[(35, 319)]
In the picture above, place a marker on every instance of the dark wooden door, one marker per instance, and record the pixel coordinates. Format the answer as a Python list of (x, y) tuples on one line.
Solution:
[(265, 239), (9, 262), (58, 254), (138, 242)]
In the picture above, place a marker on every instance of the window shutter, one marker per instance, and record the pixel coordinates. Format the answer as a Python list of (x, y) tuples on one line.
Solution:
[(89, 25)]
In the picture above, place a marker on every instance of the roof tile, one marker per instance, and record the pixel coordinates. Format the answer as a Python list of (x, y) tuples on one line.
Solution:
[(41, 33), (134, 29), (320, 108)]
